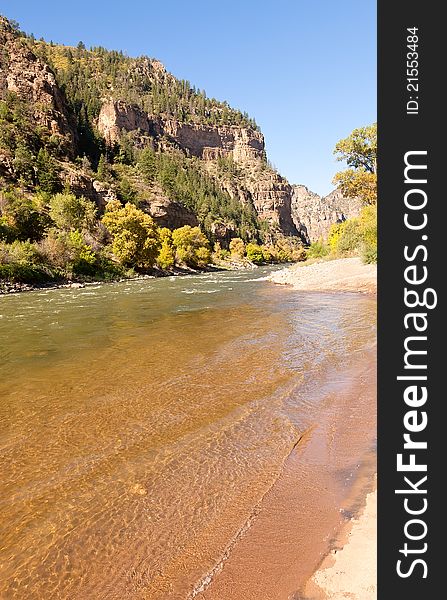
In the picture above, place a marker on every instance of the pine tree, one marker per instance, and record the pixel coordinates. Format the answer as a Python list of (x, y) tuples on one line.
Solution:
[(47, 173)]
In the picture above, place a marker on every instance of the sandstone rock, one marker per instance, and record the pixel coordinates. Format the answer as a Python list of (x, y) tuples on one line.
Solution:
[(266, 190), (313, 215), (104, 193), (167, 213), (118, 116), (272, 197), (223, 232), (203, 141), (32, 80)]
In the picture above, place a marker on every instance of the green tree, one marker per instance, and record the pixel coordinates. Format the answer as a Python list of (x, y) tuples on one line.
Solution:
[(359, 151), (147, 164), (104, 170), (125, 154), (82, 257), (126, 191), (254, 253), (21, 261), (22, 217), (70, 212), (47, 173), (192, 247), (135, 235), (24, 163)]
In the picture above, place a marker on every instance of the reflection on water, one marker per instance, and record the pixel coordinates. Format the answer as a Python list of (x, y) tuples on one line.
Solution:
[(142, 421)]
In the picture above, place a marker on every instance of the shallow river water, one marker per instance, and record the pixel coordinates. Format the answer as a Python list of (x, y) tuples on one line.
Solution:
[(145, 426)]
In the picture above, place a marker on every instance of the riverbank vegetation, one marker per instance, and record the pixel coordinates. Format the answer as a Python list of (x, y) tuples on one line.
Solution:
[(56, 237)]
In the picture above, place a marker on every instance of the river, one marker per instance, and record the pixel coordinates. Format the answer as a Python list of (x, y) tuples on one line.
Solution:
[(145, 426)]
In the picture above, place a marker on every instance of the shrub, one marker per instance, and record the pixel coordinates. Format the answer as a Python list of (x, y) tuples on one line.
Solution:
[(267, 255), (68, 253), (369, 254), (350, 239), (289, 249), (83, 258), (191, 246), (237, 248), (318, 249), (22, 218), (166, 256), (368, 225), (356, 236), (54, 250), (21, 262), (334, 234), (220, 253)]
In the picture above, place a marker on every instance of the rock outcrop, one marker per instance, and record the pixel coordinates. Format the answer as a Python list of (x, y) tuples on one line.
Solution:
[(313, 215), (264, 188), (22, 73), (167, 213), (272, 198), (203, 141)]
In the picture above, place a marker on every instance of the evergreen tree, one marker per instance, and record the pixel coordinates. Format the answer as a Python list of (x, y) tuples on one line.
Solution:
[(47, 172)]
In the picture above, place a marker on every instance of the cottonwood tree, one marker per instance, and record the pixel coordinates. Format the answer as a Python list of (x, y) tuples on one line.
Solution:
[(135, 236), (359, 151)]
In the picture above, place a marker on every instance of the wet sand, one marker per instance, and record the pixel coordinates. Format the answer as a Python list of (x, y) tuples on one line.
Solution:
[(305, 521), (322, 486), (343, 274)]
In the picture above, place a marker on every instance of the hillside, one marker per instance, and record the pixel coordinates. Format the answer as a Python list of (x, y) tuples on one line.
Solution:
[(96, 126)]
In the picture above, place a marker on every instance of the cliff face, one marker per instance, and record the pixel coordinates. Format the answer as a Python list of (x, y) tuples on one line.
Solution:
[(272, 198), (24, 74), (266, 190), (313, 214), (203, 141)]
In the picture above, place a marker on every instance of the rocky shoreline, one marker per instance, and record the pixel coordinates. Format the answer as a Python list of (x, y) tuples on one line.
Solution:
[(8, 287)]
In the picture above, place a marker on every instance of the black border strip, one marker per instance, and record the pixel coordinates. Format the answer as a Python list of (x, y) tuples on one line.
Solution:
[(401, 132)]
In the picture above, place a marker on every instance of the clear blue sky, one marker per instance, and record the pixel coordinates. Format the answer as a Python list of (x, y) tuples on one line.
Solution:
[(305, 69)]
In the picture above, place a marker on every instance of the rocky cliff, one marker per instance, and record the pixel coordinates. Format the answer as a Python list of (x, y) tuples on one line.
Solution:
[(257, 184), (313, 215), (23, 73), (200, 140)]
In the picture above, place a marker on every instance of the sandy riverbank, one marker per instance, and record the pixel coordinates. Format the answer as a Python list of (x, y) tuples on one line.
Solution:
[(350, 572), (343, 274)]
